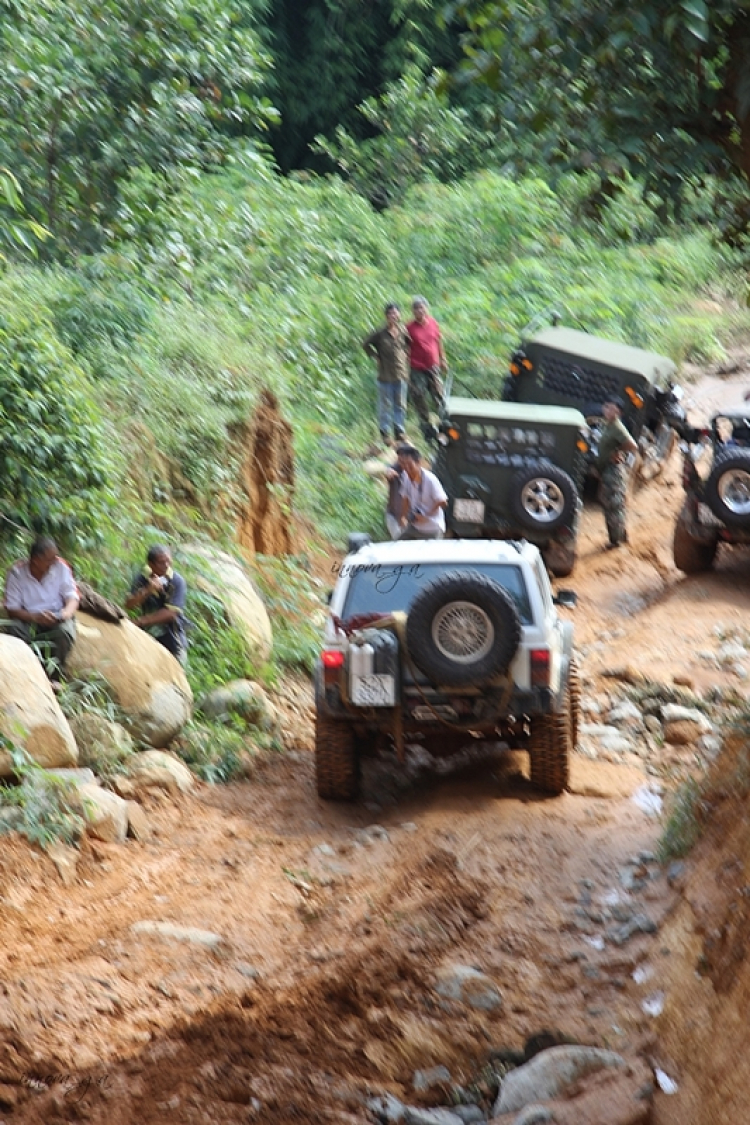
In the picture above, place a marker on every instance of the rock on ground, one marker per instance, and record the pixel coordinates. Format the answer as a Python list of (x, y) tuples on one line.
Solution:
[(100, 741), (145, 680), (30, 715), (549, 1073), (244, 698), (224, 578), (105, 813), (160, 769), (609, 1097), (469, 986)]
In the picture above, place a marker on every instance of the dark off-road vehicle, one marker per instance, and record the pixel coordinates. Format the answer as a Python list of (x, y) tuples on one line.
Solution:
[(565, 367), (443, 641), (716, 478), (513, 471)]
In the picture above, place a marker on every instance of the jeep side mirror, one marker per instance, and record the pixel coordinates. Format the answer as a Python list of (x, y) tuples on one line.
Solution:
[(567, 598)]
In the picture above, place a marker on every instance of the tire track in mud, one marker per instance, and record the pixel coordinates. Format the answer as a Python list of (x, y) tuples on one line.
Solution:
[(364, 1018)]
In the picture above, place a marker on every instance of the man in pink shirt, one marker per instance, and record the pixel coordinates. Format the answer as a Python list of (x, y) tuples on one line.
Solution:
[(427, 360), (41, 599)]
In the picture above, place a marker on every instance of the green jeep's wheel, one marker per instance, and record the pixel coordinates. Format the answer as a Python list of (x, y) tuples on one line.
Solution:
[(543, 497), (728, 487), (336, 760), (549, 749)]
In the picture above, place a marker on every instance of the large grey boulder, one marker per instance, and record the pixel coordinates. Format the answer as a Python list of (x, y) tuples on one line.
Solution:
[(549, 1073), (243, 698), (145, 680), (30, 716), (224, 577)]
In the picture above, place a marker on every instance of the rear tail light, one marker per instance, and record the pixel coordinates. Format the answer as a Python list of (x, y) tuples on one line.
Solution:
[(332, 660), (539, 667)]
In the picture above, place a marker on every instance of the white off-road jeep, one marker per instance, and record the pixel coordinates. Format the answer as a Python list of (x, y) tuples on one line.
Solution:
[(443, 641)]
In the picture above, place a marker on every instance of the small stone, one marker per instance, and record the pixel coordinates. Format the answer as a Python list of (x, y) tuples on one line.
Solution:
[(682, 680), (468, 985), (414, 1115), (470, 1114), (652, 724), (171, 932), (425, 1079), (138, 825), (534, 1115), (247, 970), (65, 860), (625, 714), (105, 813), (387, 1109)]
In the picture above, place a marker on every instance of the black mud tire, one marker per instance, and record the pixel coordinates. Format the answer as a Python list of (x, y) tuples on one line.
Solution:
[(727, 490), (543, 497), (549, 749), (574, 688), (336, 760), (463, 629), (692, 556)]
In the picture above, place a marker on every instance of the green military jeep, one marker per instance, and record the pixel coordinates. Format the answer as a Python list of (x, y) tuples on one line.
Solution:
[(564, 367), (514, 471)]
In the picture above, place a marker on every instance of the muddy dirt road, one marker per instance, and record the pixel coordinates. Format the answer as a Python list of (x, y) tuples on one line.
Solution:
[(331, 923)]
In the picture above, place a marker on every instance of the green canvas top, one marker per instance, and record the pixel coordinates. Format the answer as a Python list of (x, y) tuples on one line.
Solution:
[(515, 412), (650, 365)]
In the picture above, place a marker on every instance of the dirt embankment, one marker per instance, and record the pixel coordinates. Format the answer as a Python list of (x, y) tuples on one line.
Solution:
[(335, 920)]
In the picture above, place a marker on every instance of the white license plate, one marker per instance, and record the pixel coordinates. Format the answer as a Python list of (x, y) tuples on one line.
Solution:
[(468, 511), (376, 690)]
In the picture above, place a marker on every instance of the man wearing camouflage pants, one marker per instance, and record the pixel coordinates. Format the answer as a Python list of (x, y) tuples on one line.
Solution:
[(615, 444)]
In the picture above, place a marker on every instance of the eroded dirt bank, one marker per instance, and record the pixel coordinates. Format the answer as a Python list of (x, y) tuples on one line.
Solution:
[(334, 921)]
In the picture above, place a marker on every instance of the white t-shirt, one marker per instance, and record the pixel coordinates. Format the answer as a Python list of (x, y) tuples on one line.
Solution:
[(423, 495), (23, 591)]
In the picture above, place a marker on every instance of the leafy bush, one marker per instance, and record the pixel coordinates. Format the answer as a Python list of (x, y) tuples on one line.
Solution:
[(50, 807), (54, 470), (216, 752)]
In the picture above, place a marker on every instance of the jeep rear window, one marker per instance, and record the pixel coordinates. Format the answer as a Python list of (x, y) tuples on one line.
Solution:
[(379, 588)]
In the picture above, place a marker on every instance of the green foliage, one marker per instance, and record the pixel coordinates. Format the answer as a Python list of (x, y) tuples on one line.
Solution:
[(54, 472), (49, 806), (293, 597), (95, 89), (216, 752), (418, 136), (649, 89), (218, 651), (684, 823)]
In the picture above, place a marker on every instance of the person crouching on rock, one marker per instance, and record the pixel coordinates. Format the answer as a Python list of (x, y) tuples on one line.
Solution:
[(41, 599), (160, 593)]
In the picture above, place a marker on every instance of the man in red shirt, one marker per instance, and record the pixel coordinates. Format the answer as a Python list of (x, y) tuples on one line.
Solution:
[(426, 362)]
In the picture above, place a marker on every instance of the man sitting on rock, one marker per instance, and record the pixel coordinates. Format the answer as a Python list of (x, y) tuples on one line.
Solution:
[(160, 593), (41, 599)]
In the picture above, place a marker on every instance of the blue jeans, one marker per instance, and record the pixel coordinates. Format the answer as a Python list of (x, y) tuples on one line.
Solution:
[(392, 407)]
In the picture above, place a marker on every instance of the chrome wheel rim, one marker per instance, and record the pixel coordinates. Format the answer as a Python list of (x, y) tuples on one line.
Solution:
[(542, 500), (462, 632)]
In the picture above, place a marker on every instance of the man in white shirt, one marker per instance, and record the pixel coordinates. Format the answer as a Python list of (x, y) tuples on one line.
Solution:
[(423, 499), (41, 599)]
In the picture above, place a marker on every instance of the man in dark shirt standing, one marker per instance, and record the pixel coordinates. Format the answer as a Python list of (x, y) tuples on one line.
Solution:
[(615, 443), (160, 593), (427, 361), (390, 346)]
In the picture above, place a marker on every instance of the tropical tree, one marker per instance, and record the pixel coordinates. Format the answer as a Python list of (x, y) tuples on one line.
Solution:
[(94, 89), (659, 88)]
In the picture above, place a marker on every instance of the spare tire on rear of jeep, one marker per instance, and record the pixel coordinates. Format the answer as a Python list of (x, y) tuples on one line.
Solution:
[(728, 487), (463, 629), (543, 497)]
